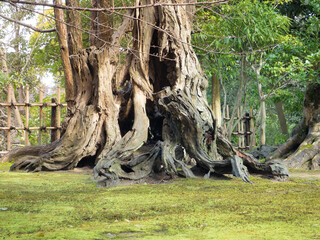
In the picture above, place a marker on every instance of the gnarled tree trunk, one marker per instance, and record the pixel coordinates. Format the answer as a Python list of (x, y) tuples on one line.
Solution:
[(143, 115), (305, 140)]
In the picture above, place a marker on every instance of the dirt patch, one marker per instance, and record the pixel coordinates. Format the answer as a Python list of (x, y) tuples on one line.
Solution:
[(151, 179), (83, 170), (305, 174)]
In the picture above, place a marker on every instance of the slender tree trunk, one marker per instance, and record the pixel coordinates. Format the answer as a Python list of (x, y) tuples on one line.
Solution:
[(64, 51), (74, 28), (256, 67), (263, 116), (282, 118), (16, 40), (224, 95), (21, 94), (17, 116), (93, 37), (105, 26), (238, 100), (216, 104), (18, 120), (4, 62), (255, 129)]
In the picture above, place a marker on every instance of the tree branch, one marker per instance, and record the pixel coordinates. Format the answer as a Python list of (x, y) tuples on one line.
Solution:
[(30, 54), (116, 8), (27, 25)]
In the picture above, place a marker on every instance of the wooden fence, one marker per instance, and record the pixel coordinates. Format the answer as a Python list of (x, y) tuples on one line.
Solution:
[(244, 125), (55, 127), (244, 128)]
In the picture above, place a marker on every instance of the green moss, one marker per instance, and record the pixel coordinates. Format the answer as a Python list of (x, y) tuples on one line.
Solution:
[(262, 160), (70, 206), (307, 146), (5, 166)]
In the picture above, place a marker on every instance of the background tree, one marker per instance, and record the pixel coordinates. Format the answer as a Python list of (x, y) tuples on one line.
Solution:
[(304, 142), (241, 33), (16, 59)]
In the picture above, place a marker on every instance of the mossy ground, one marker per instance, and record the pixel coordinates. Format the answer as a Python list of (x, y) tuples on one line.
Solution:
[(70, 206)]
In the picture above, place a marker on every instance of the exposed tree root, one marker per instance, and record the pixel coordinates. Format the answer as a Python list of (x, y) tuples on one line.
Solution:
[(64, 153), (91, 128), (302, 150), (307, 155), (186, 137)]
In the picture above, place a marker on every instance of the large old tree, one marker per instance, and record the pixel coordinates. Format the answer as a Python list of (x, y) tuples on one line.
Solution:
[(137, 100)]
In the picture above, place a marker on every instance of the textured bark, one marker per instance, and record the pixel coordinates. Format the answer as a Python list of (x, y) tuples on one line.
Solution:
[(4, 62), (216, 103), (93, 25), (145, 115), (18, 120), (17, 115), (263, 115), (282, 118), (64, 51), (74, 28), (105, 27), (305, 140), (85, 135)]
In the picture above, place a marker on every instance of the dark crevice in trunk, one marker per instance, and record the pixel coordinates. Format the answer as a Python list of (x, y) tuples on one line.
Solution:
[(126, 123), (88, 161), (126, 169), (156, 122)]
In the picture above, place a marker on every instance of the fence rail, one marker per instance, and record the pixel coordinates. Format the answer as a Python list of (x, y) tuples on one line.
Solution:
[(244, 128), (55, 106)]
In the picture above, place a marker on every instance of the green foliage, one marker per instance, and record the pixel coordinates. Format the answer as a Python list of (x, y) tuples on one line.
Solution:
[(274, 137), (285, 33), (69, 206), (46, 56), (241, 26)]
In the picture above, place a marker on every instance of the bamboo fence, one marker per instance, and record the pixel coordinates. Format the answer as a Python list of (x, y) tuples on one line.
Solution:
[(243, 129), (55, 127)]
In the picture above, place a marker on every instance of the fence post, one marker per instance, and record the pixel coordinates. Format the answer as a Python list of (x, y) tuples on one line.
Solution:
[(40, 115), (26, 131), (228, 117), (243, 147), (9, 119), (241, 119), (58, 114), (247, 130), (253, 132), (53, 120), (239, 129)]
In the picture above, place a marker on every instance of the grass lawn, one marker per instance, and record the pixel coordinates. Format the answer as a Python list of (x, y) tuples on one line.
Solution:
[(70, 206)]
